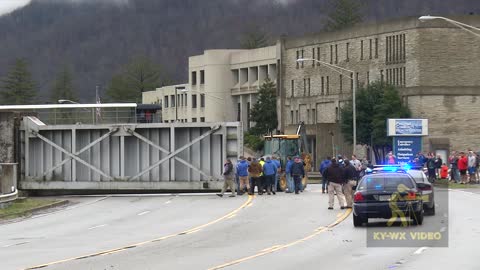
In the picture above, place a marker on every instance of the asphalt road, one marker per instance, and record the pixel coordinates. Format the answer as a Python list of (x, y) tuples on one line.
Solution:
[(206, 232)]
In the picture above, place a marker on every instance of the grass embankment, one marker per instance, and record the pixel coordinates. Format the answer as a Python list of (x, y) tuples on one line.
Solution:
[(24, 207), (445, 183)]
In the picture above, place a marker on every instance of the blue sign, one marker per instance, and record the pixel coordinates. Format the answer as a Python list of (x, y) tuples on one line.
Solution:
[(408, 127), (405, 148)]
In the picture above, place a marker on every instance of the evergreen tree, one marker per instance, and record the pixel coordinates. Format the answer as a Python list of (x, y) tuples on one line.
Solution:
[(254, 38), (18, 87), (264, 112), (63, 87), (375, 104), (344, 13), (138, 76)]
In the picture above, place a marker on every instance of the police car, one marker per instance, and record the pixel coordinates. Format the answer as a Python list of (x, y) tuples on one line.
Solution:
[(387, 192)]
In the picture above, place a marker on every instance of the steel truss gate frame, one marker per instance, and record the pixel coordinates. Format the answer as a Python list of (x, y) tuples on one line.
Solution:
[(176, 156)]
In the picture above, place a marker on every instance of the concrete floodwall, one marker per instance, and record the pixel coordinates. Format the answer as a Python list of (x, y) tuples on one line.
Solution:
[(176, 156)]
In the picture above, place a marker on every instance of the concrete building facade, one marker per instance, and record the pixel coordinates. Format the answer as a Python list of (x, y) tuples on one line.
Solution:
[(434, 65), (222, 86)]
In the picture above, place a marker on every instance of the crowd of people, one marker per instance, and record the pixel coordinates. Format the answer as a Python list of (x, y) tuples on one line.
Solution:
[(460, 167), (339, 176), (263, 173), (464, 168)]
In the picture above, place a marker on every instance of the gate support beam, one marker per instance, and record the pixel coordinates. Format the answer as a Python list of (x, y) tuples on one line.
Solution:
[(81, 151), (71, 155), (206, 134)]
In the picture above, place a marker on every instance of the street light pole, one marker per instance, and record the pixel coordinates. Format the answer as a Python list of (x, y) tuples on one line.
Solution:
[(353, 76), (354, 108), (461, 25)]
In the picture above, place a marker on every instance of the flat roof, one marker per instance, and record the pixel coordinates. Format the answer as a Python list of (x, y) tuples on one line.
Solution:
[(66, 106)]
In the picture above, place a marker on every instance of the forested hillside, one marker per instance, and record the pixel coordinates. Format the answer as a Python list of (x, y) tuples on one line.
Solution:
[(94, 39)]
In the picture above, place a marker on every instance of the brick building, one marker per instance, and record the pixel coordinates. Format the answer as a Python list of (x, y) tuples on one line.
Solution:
[(434, 64)]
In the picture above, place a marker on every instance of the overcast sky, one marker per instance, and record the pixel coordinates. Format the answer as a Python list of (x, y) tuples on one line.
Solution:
[(9, 5)]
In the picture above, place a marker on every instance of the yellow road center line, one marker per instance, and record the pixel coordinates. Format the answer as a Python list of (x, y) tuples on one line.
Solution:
[(270, 250), (116, 250)]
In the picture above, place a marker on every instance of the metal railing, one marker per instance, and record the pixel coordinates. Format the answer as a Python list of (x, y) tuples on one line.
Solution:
[(93, 116)]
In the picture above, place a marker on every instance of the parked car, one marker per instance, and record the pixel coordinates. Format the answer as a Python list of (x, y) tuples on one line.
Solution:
[(428, 194)]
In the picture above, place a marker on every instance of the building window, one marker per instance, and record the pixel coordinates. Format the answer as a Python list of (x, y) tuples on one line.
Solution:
[(165, 101), (239, 111), (336, 54), (318, 55), (387, 50), (314, 57), (400, 78), (323, 86), (381, 76), (202, 76), (347, 48), (328, 85), (194, 101), (361, 50), (308, 86), (376, 48), (404, 51), (202, 100), (302, 58), (194, 77), (368, 77), (293, 88), (351, 81), (404, 76), (370, 49), (291, 117), (358, 80), (202, 119), (298, 57), (341, 83), (181, 100), (185, 98), (305, 87), (194, 120), (172, 101), (331, 54), (314, 116), (308, 116)]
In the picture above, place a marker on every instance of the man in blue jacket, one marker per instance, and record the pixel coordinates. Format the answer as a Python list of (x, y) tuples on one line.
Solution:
[(288, 170), (277, 174), (323, 166), (269, 171), (242, 171)]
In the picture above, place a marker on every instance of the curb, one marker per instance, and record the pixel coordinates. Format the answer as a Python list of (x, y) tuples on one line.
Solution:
[(34, 210)]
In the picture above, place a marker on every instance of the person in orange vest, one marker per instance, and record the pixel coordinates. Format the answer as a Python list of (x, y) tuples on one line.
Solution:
[(444, 171)]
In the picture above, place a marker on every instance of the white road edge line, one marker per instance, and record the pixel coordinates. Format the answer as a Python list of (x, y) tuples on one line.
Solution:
[(420, 250), (99, 226), (143, 213), (16, 244)]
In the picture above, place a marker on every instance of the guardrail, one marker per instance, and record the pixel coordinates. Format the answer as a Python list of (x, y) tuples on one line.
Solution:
[(9, 197), (8, 182)]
